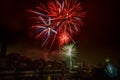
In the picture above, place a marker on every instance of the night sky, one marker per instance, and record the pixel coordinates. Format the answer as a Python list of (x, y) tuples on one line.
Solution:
[(98, 39)]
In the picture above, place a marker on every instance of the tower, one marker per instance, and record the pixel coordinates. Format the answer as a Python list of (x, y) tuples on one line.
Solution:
[(3, 35)]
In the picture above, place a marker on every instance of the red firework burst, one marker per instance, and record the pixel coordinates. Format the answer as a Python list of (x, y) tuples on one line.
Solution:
[(65, 19), (67, 15), (63, 38)]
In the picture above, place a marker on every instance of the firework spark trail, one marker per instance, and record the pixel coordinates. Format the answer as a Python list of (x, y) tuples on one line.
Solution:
[(68, 53)]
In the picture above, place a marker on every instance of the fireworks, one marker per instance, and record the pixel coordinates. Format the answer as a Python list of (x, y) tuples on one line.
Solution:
[(45, 30), (59, 18), (110, 71), (68, 50), (63, 38), (67, 17)]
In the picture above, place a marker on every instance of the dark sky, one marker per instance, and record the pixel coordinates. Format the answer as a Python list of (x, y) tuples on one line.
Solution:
[(99, 37)]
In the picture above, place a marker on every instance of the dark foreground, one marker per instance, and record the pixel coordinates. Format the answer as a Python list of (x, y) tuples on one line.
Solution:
[(16, 67), (54, 75)]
